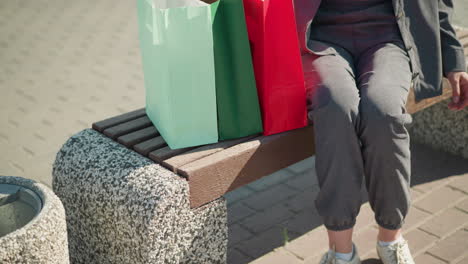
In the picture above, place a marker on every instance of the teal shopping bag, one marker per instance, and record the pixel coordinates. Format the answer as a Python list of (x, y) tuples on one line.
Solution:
[(176, 44)]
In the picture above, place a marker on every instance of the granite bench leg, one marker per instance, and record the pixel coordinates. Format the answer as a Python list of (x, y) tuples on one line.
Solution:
[(442, 128), (122, 207)]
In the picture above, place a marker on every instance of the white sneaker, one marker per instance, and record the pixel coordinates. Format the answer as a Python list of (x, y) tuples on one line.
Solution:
[(397, 253), (330, 258)]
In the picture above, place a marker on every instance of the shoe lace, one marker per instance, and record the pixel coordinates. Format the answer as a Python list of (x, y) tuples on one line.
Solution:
[(401, 255), (329, 258)]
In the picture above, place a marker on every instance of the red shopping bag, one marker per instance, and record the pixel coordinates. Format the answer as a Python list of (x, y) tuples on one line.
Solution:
[(276, 56)]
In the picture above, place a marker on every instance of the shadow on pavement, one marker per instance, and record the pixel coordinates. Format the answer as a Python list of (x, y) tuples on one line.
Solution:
[(428, 165)]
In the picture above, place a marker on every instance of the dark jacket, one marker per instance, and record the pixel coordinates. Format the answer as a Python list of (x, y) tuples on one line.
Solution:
[(430, 40)]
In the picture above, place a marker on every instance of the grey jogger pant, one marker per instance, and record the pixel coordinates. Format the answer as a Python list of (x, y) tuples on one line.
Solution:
[(358, 111)]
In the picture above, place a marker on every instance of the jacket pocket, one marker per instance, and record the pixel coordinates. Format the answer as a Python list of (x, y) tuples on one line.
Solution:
[(318, 47)]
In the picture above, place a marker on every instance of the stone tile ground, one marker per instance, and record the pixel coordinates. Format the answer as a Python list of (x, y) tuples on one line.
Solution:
[(66, 64), (289, 230)]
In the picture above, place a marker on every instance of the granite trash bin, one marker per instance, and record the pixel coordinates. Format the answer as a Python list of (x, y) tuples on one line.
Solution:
[(32, 223), (123, 208)]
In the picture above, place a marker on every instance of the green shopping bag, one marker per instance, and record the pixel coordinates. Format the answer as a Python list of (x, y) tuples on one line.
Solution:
[(239, 111), (198, 72)]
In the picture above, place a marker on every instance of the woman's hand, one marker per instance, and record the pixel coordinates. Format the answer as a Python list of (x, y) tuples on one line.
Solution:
[(459, 83)]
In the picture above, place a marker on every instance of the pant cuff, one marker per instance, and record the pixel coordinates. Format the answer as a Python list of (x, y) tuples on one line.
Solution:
[(339, 227), (389, 225)]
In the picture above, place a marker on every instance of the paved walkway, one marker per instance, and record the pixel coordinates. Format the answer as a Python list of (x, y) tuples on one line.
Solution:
[(273, 220), (66, 64)]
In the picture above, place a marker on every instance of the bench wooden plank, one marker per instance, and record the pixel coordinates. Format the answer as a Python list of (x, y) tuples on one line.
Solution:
[(145, 147), (462, 33), (414, 107), (138, 136), (217, 174), (464, 42), (178, 161), (162, 154), (128, 127), (113, 121), (464, 39)]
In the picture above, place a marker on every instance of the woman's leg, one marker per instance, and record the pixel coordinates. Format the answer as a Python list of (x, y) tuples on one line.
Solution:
[(333, 109), (387, 235), (384, 79), (342, 240)]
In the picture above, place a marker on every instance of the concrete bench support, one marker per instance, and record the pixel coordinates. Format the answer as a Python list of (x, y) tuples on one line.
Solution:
[(122, 207), (442, 129)]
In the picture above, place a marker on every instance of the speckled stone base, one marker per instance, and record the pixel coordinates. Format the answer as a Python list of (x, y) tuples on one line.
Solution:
[(44, 239), (442, 128), (123, 208)]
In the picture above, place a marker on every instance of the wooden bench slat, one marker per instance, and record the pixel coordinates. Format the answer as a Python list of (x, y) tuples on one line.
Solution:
[(214, 175), (462, 34), (162, 154), (177, 161), (127, 127), (464, 42), (113, 121), (145, 147), (466, 49), (138, 136), (414, 107)]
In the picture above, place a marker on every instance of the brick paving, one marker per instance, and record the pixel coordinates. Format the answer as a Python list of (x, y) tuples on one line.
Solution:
[(63, 65), (291, 231), (66, 64)]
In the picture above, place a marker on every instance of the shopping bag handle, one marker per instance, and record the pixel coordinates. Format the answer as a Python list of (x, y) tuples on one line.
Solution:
[(151, 21)]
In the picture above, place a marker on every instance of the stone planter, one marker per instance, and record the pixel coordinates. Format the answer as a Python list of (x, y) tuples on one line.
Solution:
[(32, 223), (124, 208)]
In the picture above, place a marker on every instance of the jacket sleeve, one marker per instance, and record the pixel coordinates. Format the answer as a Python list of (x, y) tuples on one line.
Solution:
[(453, 58)]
